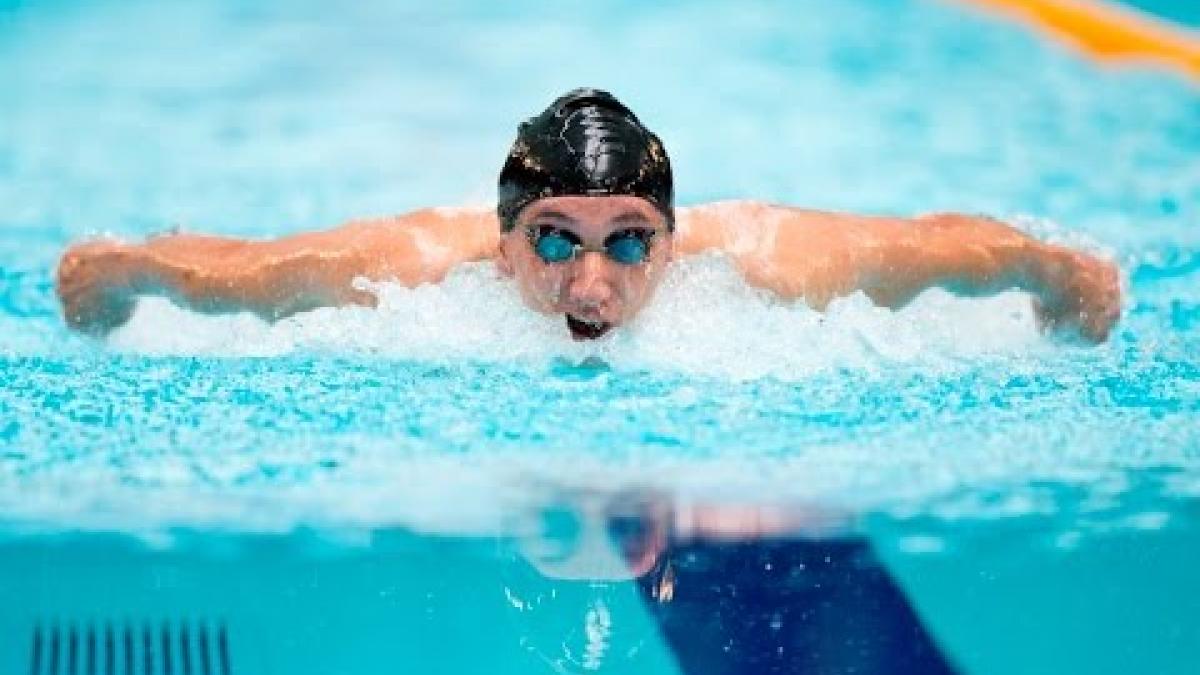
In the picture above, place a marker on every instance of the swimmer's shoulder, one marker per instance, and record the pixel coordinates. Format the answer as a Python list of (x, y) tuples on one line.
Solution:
[(461, 233), (740, 226)]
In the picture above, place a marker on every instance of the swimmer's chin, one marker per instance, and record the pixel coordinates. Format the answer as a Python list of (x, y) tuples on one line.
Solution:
[(582, 329)]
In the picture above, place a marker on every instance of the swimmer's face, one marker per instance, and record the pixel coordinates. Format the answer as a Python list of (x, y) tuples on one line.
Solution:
[(594, 292)]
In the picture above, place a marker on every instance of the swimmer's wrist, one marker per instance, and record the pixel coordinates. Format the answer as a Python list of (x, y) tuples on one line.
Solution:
[(150, 272), (144, 272), (1046, 270), (124, 269)]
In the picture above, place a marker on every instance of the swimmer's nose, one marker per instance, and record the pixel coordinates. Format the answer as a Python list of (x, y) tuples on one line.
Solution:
[(591, 286)]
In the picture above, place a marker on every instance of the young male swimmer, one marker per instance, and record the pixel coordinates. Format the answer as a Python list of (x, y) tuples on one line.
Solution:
[(586, 226)]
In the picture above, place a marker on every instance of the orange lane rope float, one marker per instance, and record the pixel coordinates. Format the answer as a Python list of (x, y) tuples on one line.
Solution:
[(1108, 32)]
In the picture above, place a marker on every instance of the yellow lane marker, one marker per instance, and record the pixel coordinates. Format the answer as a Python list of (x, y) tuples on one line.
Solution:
[(1106, 31)]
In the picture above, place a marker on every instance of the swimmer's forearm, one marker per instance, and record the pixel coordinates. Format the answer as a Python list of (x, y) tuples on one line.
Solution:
[(967, 255), (215, 275), (979, 256), (99, 281), (819, 256), (278, 278)]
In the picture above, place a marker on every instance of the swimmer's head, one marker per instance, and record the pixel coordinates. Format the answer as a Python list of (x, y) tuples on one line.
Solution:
[(586, 143), (586, 206)]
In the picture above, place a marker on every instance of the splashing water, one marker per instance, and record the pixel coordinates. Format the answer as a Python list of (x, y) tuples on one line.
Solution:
[(446, 394), (705, 321), (1016, 485)]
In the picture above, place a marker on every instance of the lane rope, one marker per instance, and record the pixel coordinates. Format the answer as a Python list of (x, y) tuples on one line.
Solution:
[(1106, 31)]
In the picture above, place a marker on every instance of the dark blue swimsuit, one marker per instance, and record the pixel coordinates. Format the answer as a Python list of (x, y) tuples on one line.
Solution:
[(786, 606)]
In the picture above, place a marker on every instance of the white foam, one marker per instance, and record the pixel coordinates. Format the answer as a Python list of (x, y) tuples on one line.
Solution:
[(705, 320)]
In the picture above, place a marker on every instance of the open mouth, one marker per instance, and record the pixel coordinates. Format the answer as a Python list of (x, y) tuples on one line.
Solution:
[(586, 330)]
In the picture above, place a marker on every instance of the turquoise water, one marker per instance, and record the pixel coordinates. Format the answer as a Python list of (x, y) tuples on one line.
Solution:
[(1184, 13), (1037, 500)]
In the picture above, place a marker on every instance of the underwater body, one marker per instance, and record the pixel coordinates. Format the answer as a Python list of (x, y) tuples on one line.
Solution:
[(358, 490)]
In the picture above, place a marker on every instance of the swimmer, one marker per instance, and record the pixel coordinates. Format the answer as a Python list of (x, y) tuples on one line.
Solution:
[(585, 227), (733, 588)]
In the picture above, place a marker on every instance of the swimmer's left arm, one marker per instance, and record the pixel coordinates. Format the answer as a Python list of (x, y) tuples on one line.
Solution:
[(974, 256), (818, 256)]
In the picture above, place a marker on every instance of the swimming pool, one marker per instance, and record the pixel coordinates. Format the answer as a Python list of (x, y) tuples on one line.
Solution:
[(355, 491)]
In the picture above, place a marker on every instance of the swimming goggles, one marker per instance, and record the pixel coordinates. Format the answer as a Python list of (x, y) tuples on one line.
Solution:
[(554, 245)]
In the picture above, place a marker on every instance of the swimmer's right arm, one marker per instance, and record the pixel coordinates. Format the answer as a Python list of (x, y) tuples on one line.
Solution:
[(99, 281)]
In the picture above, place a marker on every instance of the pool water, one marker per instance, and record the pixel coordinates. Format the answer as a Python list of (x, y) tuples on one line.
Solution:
[(351, 489)]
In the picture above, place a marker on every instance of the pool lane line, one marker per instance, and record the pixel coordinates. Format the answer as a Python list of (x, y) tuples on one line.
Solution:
[(1106, 31)]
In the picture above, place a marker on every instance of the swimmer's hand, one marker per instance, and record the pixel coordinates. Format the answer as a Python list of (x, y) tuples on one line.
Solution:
[(97, 284), (1076, 292)]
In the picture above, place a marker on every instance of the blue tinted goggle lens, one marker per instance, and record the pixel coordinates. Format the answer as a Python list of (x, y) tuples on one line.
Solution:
[(554, 247), (627, 247)]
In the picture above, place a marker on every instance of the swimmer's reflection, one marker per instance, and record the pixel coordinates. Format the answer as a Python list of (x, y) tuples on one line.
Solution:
[(742, 589)]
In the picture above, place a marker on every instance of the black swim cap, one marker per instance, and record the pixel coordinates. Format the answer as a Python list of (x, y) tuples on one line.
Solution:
[(586, 143)]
